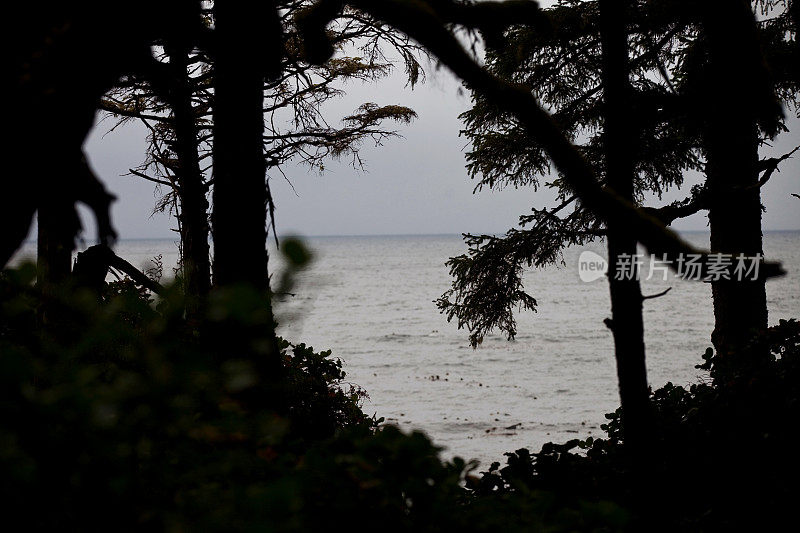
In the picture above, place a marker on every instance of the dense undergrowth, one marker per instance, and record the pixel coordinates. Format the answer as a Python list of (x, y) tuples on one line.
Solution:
[(116, 415)]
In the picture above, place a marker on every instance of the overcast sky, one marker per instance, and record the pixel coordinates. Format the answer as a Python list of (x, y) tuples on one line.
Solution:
[(416, 184)]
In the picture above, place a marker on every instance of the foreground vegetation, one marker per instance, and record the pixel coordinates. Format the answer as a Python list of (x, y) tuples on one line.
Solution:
[(117, 415)]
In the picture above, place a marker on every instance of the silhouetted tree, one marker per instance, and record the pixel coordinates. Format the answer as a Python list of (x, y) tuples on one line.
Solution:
[(431, 24), (731, 140), (619, 139), (56, 86), (248, 50), (560, 60), (249, 39), (296, 126), (193, 223)]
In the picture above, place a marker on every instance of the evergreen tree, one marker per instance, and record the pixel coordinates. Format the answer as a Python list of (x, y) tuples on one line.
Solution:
[(560, 60)]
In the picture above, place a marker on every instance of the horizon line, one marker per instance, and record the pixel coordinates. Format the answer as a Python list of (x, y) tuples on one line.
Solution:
[(317, 236)]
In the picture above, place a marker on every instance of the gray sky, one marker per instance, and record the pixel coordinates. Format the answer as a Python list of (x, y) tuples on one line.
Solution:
[(415, 184)]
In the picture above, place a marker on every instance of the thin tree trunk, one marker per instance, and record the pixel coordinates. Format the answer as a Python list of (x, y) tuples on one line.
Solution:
[(193, 206), (740, 307), (626, 297)]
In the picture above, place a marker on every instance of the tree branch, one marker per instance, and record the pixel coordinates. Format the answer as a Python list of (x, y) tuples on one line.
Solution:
[(657, 295), (697, 202), (421, 21), (150, 178), (770, 165), (134, 273)]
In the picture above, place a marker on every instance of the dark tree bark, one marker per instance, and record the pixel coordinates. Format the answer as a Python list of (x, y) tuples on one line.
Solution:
[(193, 210), (55, 242), (56, 86), (735, 80), (626, 297), (240, 195), (248, 48)]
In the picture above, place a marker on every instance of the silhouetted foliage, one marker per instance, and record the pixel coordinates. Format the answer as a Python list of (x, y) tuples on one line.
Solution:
[(559, 59), (177, 109), (123, 416)]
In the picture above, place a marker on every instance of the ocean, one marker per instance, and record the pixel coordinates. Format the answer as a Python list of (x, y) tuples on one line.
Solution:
[(370, 300)]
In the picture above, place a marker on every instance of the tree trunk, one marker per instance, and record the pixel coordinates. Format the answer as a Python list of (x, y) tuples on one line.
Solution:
[(240, 196), (193, 206), (626, 297), (248, 46), (731, 142), (54, 247), (740, 307)]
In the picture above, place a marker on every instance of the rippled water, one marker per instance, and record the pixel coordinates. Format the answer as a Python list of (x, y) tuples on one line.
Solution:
[(369, 299)]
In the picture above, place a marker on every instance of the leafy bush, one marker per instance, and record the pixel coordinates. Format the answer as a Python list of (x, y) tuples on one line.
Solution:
[(117, 415)]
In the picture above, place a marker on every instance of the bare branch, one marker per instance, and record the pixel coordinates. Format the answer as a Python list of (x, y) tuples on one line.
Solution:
[(150, 178), (770, 165), (657, 295)]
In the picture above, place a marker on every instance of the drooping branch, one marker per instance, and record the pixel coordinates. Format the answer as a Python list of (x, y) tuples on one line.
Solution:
[(487, 285)]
